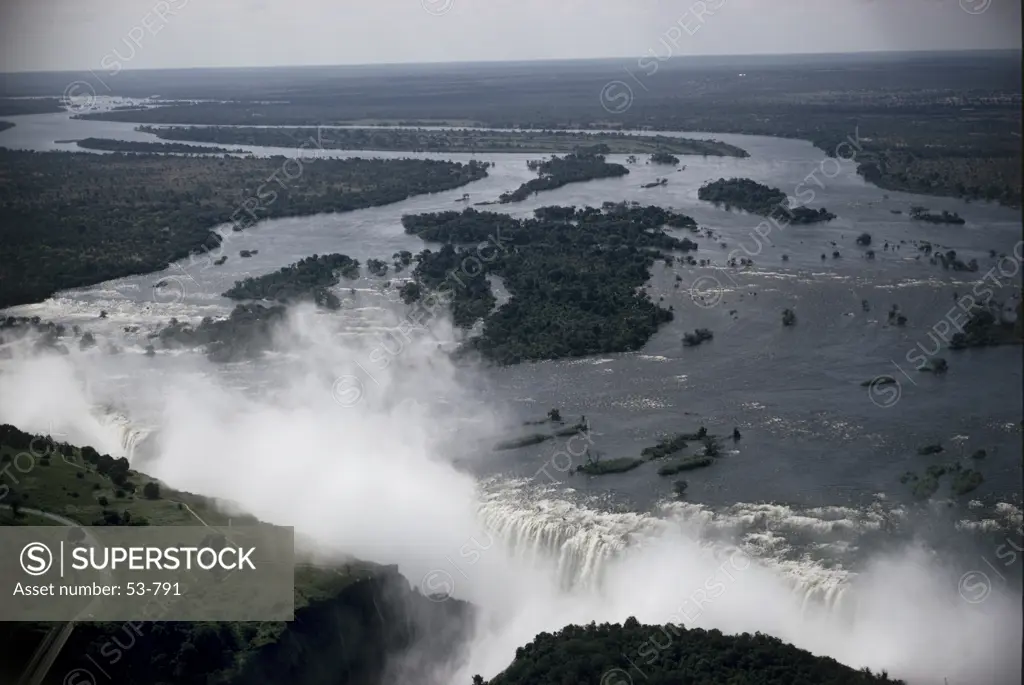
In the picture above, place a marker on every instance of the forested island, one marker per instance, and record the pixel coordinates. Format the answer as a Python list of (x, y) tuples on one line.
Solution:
[(308, 279), (671, 655), (575, 276), (70, 220), (582, 165), (246, 334), (664, 157), (113, 145), (4, 125), (448, 140), (756, 198), (985, 328), (944, 217)]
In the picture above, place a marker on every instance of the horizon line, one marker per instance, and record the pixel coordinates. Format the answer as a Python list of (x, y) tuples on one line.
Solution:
[(530, 60)]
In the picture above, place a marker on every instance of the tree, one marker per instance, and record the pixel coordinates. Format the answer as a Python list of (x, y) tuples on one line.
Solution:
[(151, 490)]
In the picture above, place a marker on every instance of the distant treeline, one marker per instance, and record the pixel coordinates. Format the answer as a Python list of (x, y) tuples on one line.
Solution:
[(451, 140), (112, 145)]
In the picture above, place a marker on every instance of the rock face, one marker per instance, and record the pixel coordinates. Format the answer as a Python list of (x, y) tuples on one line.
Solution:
[(363, 634), (377, 621)]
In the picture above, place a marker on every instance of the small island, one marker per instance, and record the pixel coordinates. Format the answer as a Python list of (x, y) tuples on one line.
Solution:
[(669, 446), (756, 198), (112, 145), (582, 165), (308, 279), (945, 217), (985, 328), (662, 157), (246, 334), (963, 480)]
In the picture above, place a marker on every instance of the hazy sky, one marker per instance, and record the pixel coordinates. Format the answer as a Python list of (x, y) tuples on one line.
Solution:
[(80, 34)]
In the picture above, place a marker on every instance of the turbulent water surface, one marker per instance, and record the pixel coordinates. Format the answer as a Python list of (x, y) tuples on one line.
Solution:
[(805, 516)]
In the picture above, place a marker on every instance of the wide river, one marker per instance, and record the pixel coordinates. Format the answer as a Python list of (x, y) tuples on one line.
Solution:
[(819, 453)]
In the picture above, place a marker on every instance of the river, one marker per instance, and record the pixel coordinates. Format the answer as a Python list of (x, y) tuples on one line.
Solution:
[(819, 463)]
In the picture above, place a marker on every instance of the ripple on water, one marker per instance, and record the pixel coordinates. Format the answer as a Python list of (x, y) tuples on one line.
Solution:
[(641, 403)]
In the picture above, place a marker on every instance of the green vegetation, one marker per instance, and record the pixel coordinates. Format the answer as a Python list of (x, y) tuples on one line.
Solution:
[(367, 608), (945, 217), (525, 441), (112, 145), (671, 655), (4, 125), (585, 165), (85, 486), (666, 447), (686, 464), (307, 279), (469, 294), (580, 427), (966, 480), (759, 199), (699, 336), (985, 328), (597, 467), (936, 124), (16, 106), (246, 334), (69, 219), (452, 140), (574, 281), (662, 157)]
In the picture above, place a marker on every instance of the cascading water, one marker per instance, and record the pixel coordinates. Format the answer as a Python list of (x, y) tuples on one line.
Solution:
[(374, 478)]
